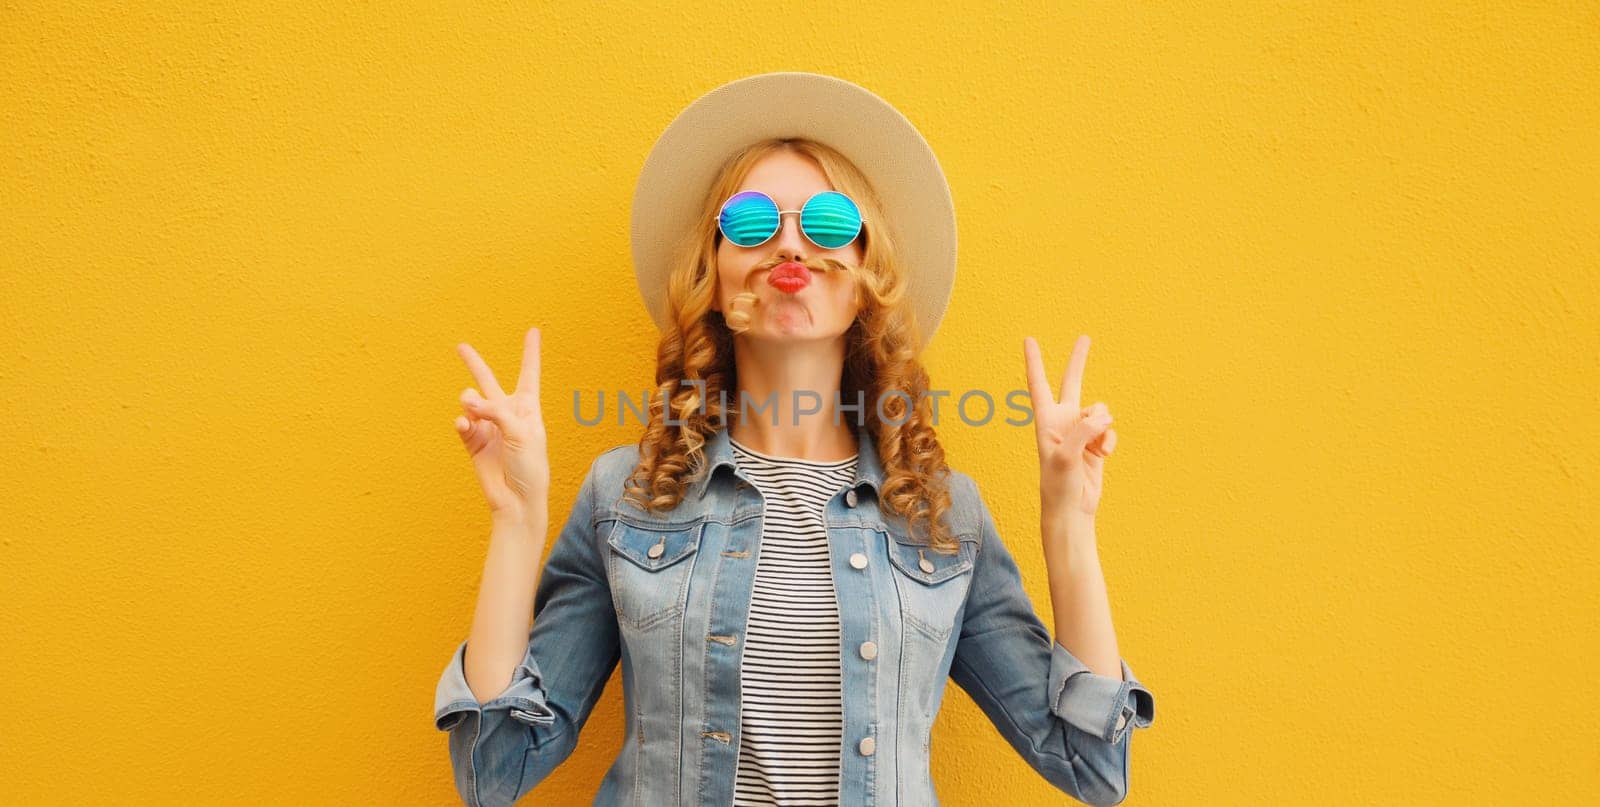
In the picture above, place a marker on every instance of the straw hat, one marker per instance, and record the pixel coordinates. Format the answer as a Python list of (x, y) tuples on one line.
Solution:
[(880, 141)]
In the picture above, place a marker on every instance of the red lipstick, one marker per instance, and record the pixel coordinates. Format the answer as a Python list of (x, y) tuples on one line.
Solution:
[(789, 277)]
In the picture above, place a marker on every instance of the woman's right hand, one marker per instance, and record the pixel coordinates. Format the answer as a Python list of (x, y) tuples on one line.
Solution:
[(504, 434)]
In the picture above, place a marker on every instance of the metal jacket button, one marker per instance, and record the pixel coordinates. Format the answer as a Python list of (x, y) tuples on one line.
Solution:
[(850, 497), (925, 565), (858, 560), (868, 745), (658, 549), (869, 650)]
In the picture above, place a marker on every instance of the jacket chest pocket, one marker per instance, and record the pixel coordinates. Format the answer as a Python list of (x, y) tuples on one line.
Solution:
[(933, 585), (649, 567)]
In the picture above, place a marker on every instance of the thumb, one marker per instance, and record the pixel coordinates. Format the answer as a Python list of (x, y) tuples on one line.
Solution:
[(478, 408)]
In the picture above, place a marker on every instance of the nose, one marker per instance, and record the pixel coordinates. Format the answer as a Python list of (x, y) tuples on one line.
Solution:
[(789, 243)]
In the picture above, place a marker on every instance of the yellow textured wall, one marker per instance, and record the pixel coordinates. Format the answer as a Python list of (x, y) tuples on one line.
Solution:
[(1339, 267)]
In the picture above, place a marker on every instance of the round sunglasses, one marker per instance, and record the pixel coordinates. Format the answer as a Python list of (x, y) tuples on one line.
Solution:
[(828, 219)]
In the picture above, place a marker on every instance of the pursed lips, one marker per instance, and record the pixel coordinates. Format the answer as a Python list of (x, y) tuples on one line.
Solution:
[(789, 277)]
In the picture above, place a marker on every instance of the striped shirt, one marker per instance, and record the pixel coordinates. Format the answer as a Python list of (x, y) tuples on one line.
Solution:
[(790, 714)]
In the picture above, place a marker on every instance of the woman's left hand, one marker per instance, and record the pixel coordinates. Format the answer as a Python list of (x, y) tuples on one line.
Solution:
[(1073, 441)]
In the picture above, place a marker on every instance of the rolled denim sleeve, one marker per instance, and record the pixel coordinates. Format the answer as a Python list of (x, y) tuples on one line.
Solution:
[(1098, 704), (524, 699), (1071, 725), (502, 748)]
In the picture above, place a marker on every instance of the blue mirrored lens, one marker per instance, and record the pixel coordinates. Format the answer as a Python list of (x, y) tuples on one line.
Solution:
[(748, 218), (831, 219)]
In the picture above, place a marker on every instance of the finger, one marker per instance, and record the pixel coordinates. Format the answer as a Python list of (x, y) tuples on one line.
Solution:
[(1102, 444), (477, 428), (1072, 382), (473, 402), (480, 371), (470, 431), (1038, 388), (1090, 429), (477, 408), (1094, 414), (1095, 462), (500, 414), (528, 380)]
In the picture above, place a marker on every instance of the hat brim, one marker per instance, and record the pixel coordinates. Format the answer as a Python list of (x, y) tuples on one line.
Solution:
[(873, 135)]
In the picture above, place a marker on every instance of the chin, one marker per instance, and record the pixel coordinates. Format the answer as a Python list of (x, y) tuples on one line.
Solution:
[(807, 333)]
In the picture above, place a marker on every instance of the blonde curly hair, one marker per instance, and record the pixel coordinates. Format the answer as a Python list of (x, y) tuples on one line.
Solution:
[(880, 357)]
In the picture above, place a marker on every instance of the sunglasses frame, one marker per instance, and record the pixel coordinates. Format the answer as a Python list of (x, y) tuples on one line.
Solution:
[(861, 228)]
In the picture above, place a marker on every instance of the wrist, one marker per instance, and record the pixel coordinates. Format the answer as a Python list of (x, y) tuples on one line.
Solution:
[(527, 523), (1069, 530), (1057, 510)]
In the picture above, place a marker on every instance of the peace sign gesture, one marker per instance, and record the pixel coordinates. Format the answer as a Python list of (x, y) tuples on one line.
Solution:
[(504, 434), (1073, 441)]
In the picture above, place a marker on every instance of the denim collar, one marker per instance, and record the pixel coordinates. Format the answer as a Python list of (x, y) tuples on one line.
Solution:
[(719, 452)]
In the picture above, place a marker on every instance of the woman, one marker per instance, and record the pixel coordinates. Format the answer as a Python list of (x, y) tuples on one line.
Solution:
[(787, 579)]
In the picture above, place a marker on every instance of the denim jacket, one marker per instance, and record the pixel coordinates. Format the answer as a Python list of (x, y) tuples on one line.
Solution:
[(667, 595)]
